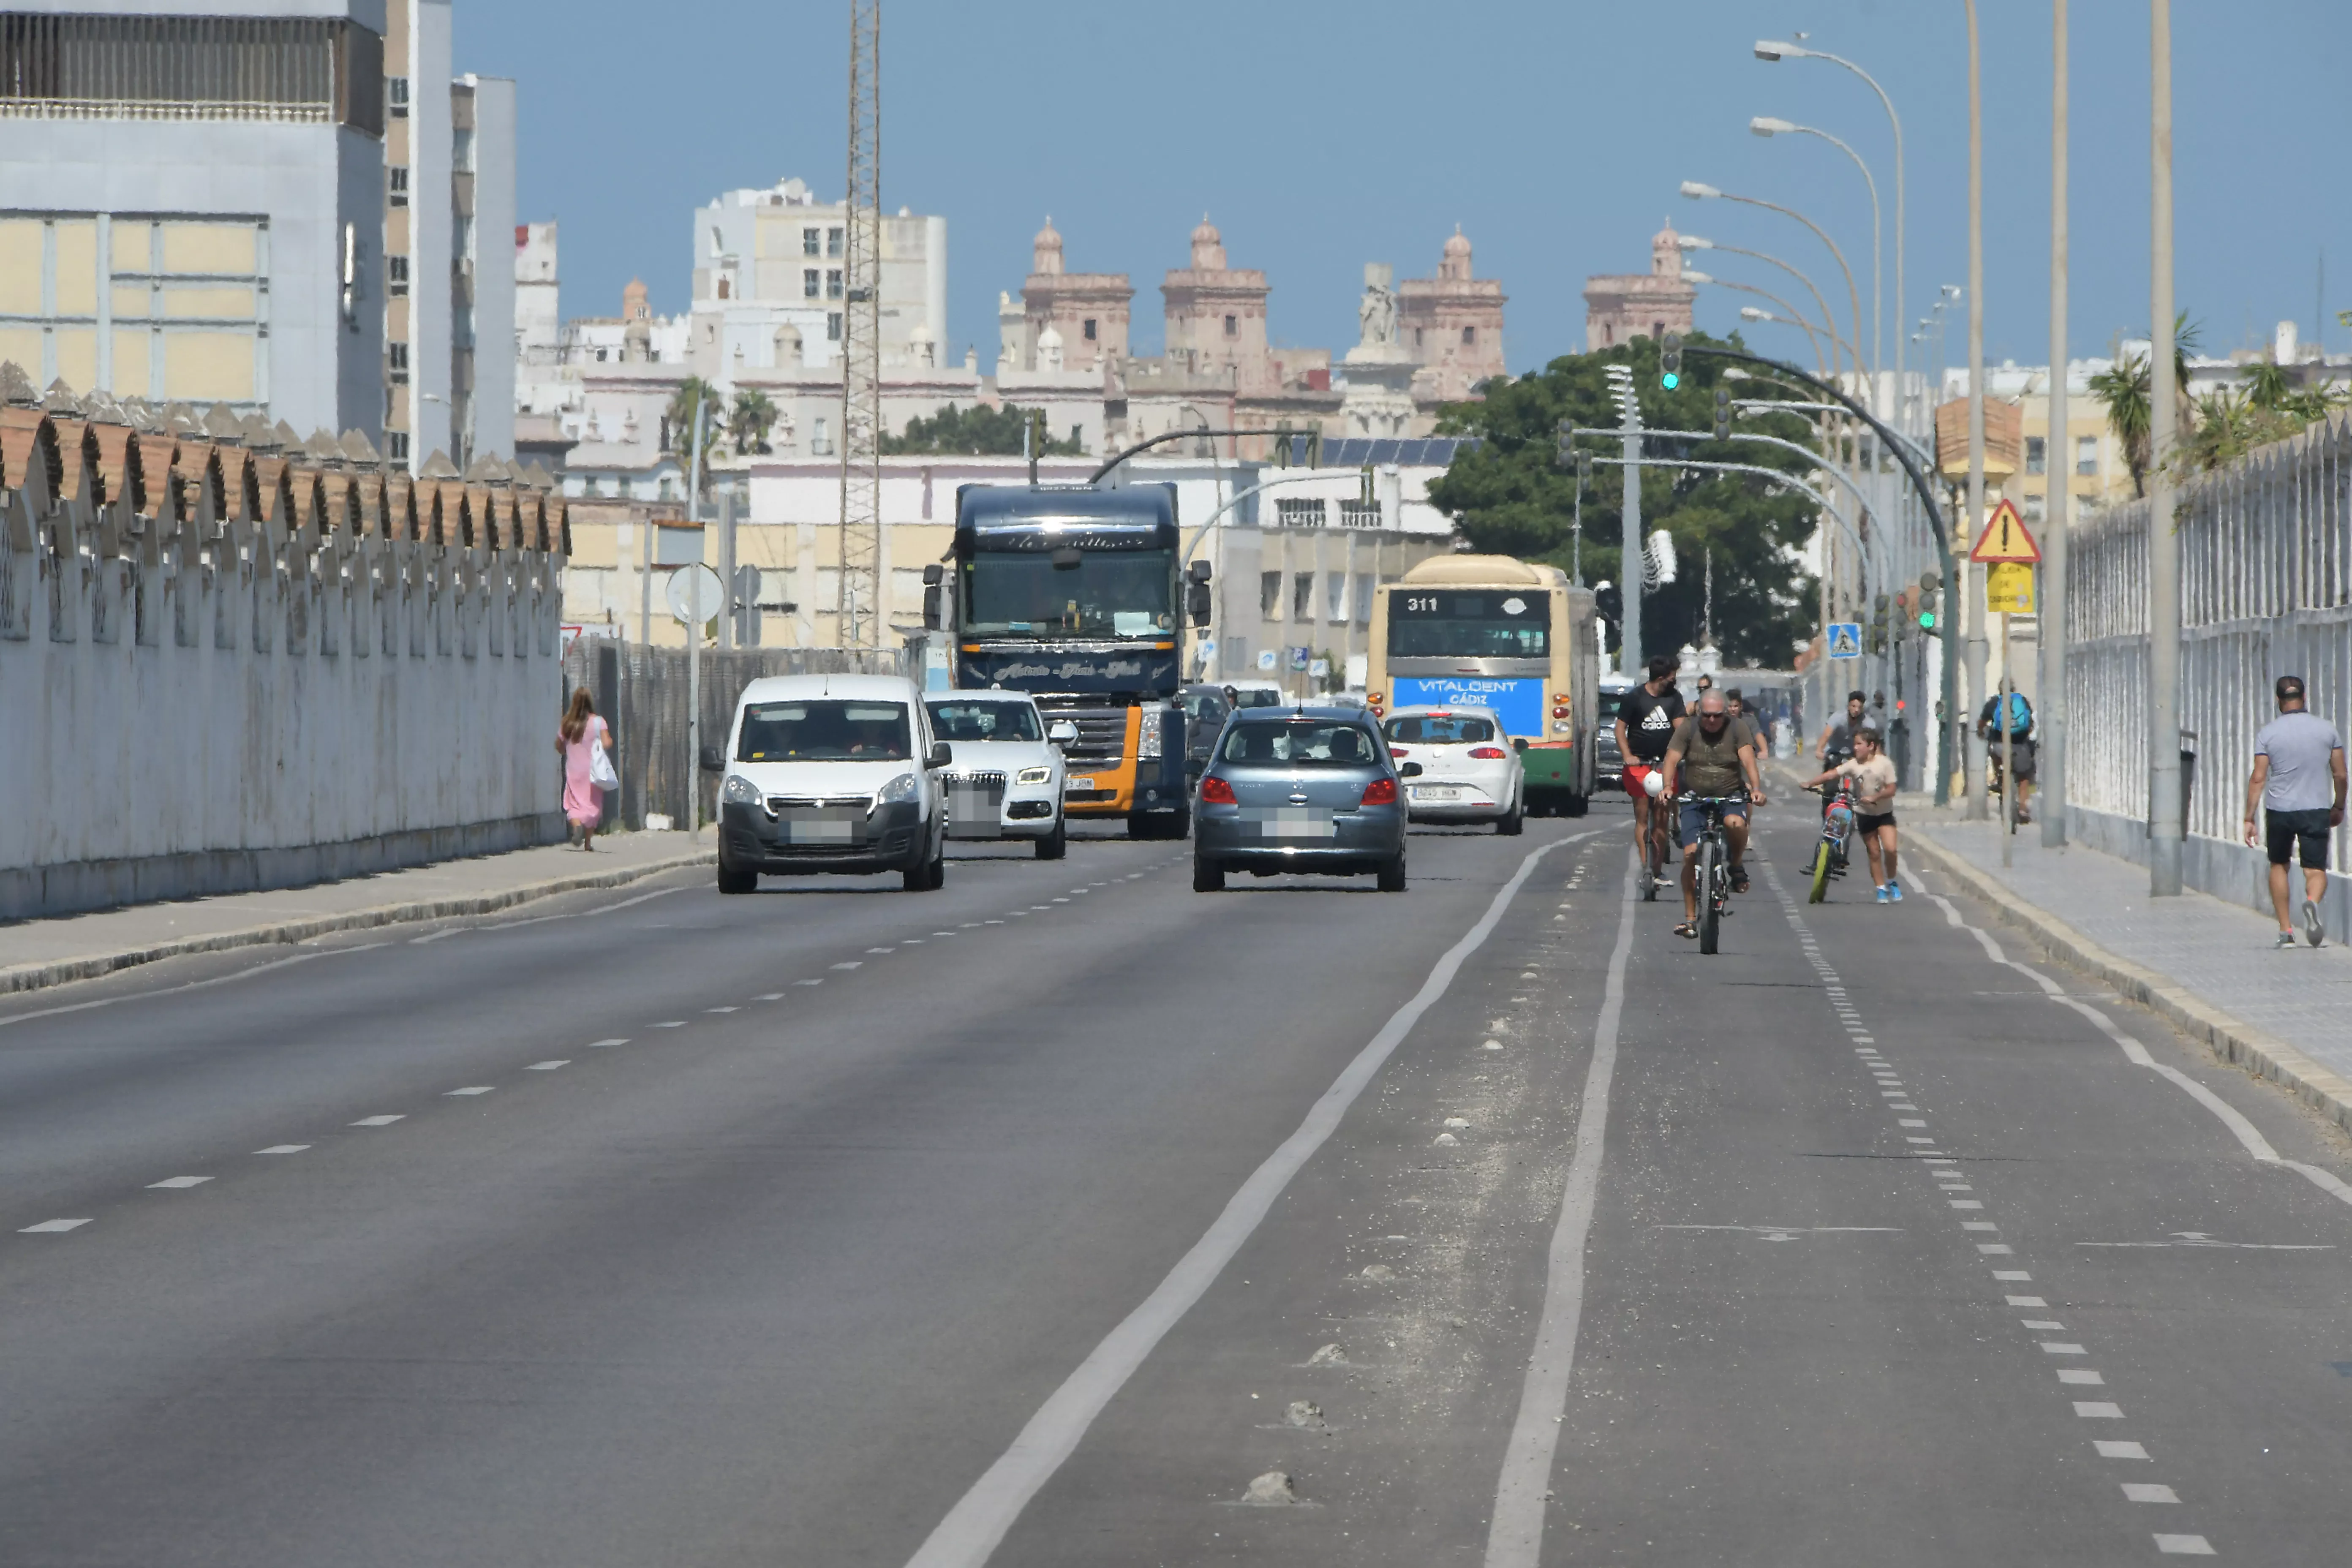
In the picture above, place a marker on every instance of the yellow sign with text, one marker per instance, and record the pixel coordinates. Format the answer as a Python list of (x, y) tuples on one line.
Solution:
[(2009, 588)]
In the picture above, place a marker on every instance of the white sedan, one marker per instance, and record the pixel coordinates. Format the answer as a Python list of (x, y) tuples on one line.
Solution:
[(1006, 778), (1458, 766)]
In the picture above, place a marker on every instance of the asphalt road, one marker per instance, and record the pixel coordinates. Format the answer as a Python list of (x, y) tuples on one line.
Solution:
[(1033, 1220)]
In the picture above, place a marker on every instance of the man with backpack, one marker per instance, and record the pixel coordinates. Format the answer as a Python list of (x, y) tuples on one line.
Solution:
[(2021, 733)]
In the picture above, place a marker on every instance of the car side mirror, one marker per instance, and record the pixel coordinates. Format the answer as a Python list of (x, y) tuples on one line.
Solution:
[(931, 606), (713, 760), (1197, 604), (1409, 771), (1062, 732), (939, 756), (1200, 571)]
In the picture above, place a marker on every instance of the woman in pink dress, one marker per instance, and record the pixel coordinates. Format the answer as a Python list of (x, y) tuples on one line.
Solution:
[(582, 734)]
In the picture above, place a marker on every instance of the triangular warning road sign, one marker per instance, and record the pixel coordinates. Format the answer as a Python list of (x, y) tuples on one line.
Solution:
[(2004, 538)]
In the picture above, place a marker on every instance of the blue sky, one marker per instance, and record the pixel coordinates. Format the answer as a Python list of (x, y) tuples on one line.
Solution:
[(1324, 133)]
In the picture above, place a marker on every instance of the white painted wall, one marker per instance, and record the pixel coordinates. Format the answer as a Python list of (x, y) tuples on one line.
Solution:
[(302, 710)]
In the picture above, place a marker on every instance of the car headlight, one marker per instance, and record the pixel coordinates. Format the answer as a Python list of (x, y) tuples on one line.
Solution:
[(1147, 745), (899, 791), (740, 791), (1034, 777)]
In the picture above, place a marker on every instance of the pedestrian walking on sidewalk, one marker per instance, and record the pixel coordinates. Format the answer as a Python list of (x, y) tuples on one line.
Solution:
[(584, 741), (1873, 772), (2298, 781)]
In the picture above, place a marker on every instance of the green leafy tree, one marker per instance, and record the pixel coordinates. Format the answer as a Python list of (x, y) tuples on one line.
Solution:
[(749, 421), (1513, 498), (979, 431), (2125, 389)]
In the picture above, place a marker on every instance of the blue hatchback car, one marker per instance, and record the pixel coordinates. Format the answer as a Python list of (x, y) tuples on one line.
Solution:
[(1299, 789)]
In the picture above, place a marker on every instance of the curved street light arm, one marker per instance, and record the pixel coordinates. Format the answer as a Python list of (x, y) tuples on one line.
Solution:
[(1828, 315), (1877, 306), (1853, 295)]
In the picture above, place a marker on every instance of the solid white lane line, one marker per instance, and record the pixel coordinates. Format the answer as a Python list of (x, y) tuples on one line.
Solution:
[(607, 1045), (974, 1528), (549, 1066), (174, 1183), (53, 1226), (191, 986), (378, 1120), (1514, 1538), (283, 1149), (2249, 1137)]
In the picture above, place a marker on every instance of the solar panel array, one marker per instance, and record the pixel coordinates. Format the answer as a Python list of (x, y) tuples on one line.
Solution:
[(1355, 451)]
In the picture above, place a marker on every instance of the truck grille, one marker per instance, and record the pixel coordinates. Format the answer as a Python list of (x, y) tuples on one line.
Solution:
[(1102, 734)]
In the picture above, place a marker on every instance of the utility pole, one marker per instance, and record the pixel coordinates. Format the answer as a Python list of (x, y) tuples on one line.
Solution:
[(2055, 463), (2165, 826), (859, 606), (1973, 779), (692, 816), (1629, 572)]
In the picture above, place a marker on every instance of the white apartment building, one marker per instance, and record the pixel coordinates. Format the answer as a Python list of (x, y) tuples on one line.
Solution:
[(191, 197)]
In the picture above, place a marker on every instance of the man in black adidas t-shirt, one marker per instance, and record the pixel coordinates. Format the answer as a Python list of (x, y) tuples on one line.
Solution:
[(1646, 717)]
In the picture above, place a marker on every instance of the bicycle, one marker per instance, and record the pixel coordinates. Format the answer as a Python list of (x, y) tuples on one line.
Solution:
[(1653, 860), (1713, 871), (1837, 831)]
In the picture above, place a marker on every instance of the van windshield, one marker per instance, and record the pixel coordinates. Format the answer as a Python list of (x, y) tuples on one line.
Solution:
[(825, 729)]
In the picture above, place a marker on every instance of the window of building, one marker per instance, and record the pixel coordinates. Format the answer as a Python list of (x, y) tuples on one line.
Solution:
[(1302, 595), (811, 284), (808, 242), (1469, 334), (1416, 337), (1079, 437), (1233, 326), (833, 241), (1090, 328), (602, 354), (2037, 455), (722, 289), (398, 175), (1363, 602), (1269, 595), (820, 441), (1335, 597), (395, 274), (1658, 331), (396, 359), (395, 445), (1298, 511), (2086, 454), (668, 488), (2035, 509), (832, 283), (395, 95), (833, 326)]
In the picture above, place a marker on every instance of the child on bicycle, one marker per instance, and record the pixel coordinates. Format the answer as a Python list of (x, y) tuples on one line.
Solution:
[(1873, 773)]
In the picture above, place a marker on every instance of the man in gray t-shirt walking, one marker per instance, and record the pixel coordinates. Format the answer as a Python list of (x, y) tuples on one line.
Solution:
[(2298, 783)]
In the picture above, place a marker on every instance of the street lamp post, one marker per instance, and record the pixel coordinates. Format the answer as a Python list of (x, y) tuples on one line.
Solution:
[(2060, 482), (1767, 126), (1973, 606), (2165, 826), (1699, 191)]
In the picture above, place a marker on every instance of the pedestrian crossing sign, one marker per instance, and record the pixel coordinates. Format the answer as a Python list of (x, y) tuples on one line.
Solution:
[(1845, 639)]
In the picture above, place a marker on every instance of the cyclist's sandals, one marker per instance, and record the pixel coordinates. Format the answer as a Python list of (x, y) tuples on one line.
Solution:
[(1738, 878), (1688, 928)]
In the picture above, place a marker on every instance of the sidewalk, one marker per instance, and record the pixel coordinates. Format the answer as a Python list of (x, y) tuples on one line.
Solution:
[(2206, 965), (36, 953)]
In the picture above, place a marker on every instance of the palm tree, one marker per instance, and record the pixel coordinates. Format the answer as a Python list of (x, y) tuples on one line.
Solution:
[(749, 420), (683, 415), (2125, 390)]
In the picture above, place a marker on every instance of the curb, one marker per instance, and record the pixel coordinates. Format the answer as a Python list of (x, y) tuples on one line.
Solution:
[(59, 971), (2256, 1051)]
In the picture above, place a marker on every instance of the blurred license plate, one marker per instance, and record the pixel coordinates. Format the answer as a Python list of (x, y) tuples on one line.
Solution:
[(1296, 822), (820, 831), (1434, 792), (1078, 783)]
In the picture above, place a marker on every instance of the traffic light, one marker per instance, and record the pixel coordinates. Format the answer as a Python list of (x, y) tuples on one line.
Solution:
[(1281, 446), (1569, 457), (1722, 414), (1930, 581), (1584, 468), (1879, 619), (1670, 361)]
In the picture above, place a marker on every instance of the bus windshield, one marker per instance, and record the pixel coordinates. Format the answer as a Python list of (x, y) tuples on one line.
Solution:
[(1472, 623), (1109, 593)]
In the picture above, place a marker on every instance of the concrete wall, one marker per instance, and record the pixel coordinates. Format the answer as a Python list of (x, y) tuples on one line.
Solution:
[(222, 686)]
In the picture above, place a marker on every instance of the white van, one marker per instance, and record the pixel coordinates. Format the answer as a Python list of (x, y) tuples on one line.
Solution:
[(831, 774)]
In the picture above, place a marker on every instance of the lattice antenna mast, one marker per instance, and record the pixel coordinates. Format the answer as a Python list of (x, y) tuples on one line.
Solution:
[(860, 604)]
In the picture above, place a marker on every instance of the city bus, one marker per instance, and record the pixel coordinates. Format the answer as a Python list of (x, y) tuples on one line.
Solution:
[(1489, 631)]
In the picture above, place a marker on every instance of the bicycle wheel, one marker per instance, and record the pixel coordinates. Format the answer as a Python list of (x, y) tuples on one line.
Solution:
[(1820, 872), (1650, 873), (1710, 912)]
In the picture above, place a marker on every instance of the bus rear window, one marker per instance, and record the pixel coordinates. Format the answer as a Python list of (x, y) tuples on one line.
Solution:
[(1477, 622)]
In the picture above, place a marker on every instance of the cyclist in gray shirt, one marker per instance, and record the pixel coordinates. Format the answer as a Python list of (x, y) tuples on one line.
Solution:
[(2298, 783)]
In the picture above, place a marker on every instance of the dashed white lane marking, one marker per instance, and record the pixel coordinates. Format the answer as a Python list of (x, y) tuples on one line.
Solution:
[(2114, 1450), (850, 964), (875, 950), (770, 996), (2054, 1347), (173, 1184), (974, 1527), (808, 982), (283, 1149), (53, 1226), (2098, 1410), (607, 1045), (2012, 1275), (2043, 1325), (2183, 1546), (378, 1120), (722, 1009), (2083, 1375), (2149, 1491), (670, 1024), (2025, 1301), (1994, 1249), (1965, 1203), (549, 1066), (474, 1088)]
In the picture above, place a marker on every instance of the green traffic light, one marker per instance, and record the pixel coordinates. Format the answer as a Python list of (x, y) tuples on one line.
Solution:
[(1670, 379), (1927, 620)]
